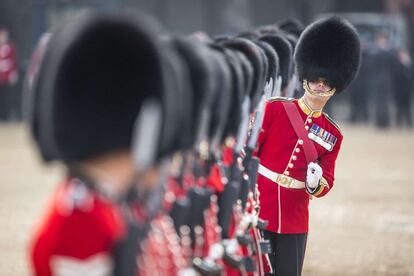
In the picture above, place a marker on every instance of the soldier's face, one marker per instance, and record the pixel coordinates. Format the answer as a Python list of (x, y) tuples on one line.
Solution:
[(318, 91), (319, 86)]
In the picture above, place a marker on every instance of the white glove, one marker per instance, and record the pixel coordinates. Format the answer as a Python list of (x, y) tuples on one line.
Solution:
[(313, 175)]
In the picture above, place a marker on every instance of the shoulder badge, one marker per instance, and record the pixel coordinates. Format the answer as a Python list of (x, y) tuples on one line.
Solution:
[(280, 99), (333, 122)]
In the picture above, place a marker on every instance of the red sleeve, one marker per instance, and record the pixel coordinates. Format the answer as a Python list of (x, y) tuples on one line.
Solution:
[(327, 163), (44, 242), (75, 229), (267, 122)]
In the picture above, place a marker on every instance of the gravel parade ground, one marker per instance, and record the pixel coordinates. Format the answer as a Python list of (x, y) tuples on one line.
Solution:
[(364, 226)]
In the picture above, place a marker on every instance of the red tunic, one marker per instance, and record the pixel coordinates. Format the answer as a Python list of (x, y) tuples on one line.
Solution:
[(77, 234), (280, 150), (8, 64)]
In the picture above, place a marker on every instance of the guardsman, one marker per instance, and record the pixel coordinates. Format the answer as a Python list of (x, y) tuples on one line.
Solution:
[(299, 144), (284, 51), (101, 81), (8, 75)]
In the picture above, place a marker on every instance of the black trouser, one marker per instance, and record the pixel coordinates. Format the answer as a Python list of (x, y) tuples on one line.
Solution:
[(288, 252)]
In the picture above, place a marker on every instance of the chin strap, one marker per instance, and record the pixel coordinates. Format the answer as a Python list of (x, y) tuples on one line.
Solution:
[(329, 93)]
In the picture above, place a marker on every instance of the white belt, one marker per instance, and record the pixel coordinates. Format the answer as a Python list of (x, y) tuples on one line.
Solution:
[(282, 180)]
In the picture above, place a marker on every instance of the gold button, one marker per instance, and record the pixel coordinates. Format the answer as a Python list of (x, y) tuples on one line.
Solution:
[(306, 127), (294, 157), (286, 173), (290, 165), (309, 120), (297, 149), (300, 141)]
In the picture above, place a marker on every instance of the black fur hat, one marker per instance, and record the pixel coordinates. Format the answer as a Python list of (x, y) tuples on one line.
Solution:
[(285, 54), (293, 40), (203, 83), (247, 70), (180, 75), (237, 94), (292, 26), (96, 73), (250, 35), (246, 67), (257, 58), (329, 48), (221, 105), (269, 29), (273, 61)]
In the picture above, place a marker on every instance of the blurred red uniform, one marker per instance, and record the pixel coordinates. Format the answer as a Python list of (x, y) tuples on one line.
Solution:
[(280, 151), (78, 234), (8, 63), (8, 75)]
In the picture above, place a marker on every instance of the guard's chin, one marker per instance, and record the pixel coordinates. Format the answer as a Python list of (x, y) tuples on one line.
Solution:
[(314, 97)]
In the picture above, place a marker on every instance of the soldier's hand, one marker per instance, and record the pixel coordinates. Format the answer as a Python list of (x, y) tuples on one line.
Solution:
[(313, 175)]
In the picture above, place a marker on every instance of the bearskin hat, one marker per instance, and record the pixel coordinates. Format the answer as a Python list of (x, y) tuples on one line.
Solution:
[(256, 57), (250, 35), (293, 40), (273, 61), (284, 52), (247, 70), (292, 26), (237, 94), (221, 105), (329, 48), (96, 73), (203, 84), (180, 76), (269, 29)]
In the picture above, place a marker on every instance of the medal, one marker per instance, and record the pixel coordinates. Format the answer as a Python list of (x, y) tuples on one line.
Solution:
[(322, 137)]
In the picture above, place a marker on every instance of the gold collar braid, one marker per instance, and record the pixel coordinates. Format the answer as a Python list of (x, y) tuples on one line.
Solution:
[(319, 94), (307, 109)]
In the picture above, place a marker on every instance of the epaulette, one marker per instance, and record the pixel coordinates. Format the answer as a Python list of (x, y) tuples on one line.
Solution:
[(333, 122), (282, 99)]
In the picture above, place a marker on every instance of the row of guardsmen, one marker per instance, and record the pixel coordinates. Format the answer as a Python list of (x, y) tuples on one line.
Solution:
[(162, 137)]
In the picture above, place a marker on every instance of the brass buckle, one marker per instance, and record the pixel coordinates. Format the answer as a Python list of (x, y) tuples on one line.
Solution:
[(284, 180)]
